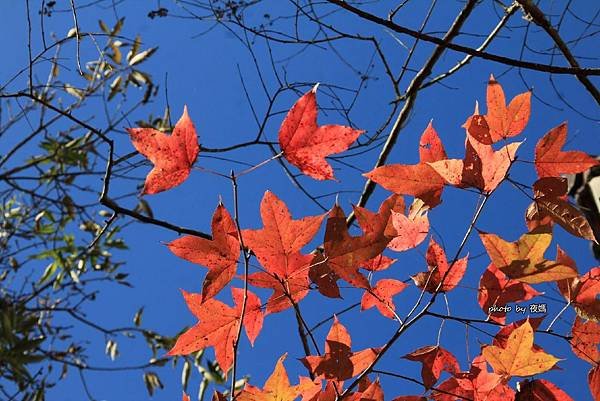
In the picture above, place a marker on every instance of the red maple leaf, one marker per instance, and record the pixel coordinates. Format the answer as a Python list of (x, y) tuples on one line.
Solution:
[(373, 223), (344, 253), (328, 394), (339, 362), (218, 325), (551, 161), (496, 289), (172, 155), (305, 144), (408, 231), (437, 266), (405, 231), (419, 180), (220, 255), (582, 292), (325, 278), (435, 360), (477, 127), (540, 390), (585, 338), (381, 295), (368, 391), (478, 384), (378, 263)]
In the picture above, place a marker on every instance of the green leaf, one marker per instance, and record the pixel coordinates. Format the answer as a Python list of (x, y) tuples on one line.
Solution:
[(48, 272)]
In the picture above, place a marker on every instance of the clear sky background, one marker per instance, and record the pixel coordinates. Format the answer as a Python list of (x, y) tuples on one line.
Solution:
[(203, 67)]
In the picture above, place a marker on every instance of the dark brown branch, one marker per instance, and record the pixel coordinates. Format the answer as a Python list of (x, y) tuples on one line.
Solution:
[(464, 49), (538, 17), (411, 95), (510, 11)]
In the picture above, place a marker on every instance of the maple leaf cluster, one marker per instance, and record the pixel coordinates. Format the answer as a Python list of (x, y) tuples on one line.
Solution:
[(291, 273)]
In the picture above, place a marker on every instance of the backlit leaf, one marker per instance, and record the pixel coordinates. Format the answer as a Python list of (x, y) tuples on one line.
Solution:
[(552, 161), (518, 358), (305, 144), (172, 155)]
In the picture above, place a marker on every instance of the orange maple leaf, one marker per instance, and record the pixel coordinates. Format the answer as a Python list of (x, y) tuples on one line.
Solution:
[(419, 180), (505, 122), (277, 246), (218, 325), (482, 168), (281, 235), (276, 388)]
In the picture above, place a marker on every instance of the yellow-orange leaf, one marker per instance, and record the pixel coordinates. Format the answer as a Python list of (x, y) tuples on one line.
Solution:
[(523, 259), (519, 358), (276, 388), (506, 121)]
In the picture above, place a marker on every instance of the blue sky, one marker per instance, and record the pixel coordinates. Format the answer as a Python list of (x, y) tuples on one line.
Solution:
[(203, 74)]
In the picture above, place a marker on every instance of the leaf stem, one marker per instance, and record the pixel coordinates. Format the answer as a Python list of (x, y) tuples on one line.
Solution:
[(270, 159), (548, 329)]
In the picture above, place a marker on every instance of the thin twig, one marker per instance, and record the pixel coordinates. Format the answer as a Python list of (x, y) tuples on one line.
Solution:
[(246, 257), (77, 36)]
